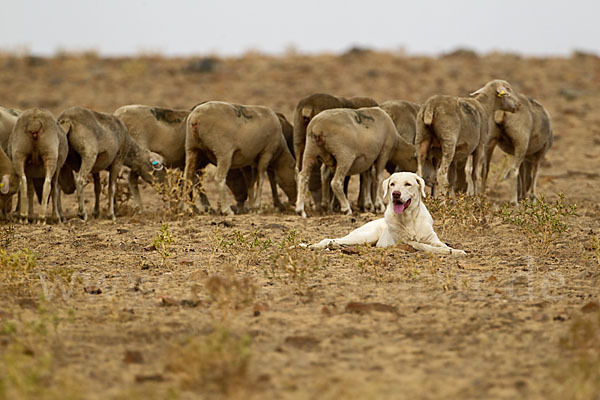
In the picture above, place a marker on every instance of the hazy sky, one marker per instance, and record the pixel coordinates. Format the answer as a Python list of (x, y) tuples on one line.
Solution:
[(231, 27)]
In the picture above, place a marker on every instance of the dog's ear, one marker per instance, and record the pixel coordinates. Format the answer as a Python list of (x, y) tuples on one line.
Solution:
[(421, 183), (385, 188)]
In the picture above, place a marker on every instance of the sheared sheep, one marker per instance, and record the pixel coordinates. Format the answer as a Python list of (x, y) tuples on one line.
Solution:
[(97, 142), (163, 131), (404, 114), (237, 136), (527, 135), (9, 181), (351, 142), (454, 128), (38, 149), (305, 111)]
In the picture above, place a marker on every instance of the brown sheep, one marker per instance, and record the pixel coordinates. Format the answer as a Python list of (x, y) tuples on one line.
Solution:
[(527, 135), (236, 136), (163, 131), (305, 111), (97, 142), (454, 128), (9, 181), (351, 142), (404, 114), (38, 149)]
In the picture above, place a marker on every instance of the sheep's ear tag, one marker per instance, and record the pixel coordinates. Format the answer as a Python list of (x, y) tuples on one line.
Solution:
[(154, 162), (501, 93)]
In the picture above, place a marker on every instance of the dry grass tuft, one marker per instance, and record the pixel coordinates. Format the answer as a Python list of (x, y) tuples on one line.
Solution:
[(580, 374), (215, 362)]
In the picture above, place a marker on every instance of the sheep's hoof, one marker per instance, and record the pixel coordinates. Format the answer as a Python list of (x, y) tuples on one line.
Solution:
[(95, 214), (240, 208), (369, 207), (23, 219), (347, 212), (83, 216), (301, 213), (227, 211)]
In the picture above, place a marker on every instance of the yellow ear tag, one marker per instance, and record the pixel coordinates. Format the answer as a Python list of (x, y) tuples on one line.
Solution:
[(1, 185), (501, 93)]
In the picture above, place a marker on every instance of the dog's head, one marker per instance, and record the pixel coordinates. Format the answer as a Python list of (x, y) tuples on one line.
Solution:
[(403, 190)]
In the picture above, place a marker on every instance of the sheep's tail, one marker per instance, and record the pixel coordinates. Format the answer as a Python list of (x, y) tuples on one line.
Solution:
[(318, 137), (66, 125), (428, 114)]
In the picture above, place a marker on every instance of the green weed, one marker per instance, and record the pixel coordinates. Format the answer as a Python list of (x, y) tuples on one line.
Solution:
[(292, 262), (17, 272), (541, 221), (162, 243)]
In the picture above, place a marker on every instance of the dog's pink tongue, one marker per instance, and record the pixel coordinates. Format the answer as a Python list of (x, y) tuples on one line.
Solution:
[(399, 208)]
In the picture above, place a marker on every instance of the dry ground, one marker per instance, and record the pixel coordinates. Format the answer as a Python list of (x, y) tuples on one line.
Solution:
[(232, 311)]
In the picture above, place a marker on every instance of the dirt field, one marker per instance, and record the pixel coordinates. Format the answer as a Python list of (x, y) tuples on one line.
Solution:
[(233, 312)]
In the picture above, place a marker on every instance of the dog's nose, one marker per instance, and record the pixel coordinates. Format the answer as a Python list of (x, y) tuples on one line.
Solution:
[(396, 195)]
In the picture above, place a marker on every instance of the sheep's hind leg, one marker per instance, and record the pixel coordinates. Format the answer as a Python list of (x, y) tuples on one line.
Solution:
[(30, 193), (261, 172), (337, 185), (273, 182), (50, 167), (97, 192), (87, 162), (113, 174), (223, 165), (134, 188)]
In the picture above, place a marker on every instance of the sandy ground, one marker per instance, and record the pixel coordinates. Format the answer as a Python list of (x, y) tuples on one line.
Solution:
[(234, 312)]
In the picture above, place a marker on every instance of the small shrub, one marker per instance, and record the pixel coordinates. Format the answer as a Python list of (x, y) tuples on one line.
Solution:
[(27, 366), (7, 234), (462, 211), (228, 292), (162, 243), (290, 261), (247, 248), (579, 368), (17, 272), (218, 361), (542, 222), (174, 192)]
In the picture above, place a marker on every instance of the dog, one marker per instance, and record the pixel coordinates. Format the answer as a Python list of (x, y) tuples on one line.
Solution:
[(406, 220)]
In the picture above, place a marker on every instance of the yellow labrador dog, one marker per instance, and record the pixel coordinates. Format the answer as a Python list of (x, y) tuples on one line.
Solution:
[(406, 220)]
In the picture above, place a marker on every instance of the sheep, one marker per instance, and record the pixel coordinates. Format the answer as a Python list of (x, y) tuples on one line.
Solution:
[(458, 128), (305, 111), (404, 114), (38, 149), (237, 136), (527, 135), (97, 142), (163, 131), (351, 141), (9, 181)]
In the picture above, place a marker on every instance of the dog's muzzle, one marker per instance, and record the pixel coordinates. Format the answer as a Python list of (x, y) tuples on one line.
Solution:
[(399, 205)]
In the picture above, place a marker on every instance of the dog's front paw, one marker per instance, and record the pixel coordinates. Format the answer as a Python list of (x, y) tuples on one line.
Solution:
[(323, 244), (460, 253)]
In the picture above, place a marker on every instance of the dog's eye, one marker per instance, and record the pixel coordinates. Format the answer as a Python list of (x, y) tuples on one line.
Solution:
[(407, 184), (392, 184)]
